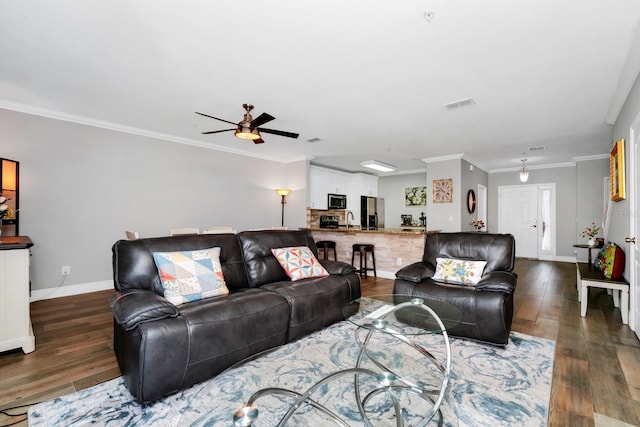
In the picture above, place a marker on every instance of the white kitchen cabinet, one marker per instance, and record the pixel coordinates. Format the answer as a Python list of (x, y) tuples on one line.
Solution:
[(15, 316), (365, 185), (325, 181)]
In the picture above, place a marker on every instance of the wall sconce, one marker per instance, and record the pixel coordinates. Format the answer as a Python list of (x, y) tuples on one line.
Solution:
[(9, 188), (283, 192), (524, 173)]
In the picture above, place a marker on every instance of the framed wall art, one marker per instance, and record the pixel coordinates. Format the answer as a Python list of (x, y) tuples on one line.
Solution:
[(616, 171), (415, 196), (443, 190)]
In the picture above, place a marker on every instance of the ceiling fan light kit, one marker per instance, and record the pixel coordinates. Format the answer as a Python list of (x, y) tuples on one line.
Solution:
[(379, 166)]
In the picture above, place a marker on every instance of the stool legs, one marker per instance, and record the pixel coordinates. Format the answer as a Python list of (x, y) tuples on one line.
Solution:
[(364, 268)]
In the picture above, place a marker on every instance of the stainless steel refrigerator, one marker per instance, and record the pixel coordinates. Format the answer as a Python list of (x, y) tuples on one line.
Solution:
[(371, 213)]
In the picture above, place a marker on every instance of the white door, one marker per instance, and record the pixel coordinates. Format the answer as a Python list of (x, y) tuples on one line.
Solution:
[(634, 228), (518, 215), (546, 221)]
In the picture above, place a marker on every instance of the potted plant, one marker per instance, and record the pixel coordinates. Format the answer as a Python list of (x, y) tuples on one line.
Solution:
[(590, 233)]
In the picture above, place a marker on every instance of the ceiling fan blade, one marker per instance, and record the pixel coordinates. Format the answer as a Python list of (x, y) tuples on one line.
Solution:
[(211, 117), (261, 119), (280, 132), (217, 131), (258, 141)]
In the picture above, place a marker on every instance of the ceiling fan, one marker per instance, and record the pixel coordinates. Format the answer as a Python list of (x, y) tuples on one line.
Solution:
[(250, 128)]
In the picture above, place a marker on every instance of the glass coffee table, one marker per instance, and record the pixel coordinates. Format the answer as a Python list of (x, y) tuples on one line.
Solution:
[(393, 379)]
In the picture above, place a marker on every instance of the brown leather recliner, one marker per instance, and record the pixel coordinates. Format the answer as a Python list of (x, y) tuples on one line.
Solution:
[(487, 307)]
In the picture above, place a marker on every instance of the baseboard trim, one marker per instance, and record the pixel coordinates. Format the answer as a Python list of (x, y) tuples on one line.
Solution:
[(66, 291)]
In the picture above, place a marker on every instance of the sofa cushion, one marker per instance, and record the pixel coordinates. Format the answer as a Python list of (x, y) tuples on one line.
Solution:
[(261, 265), (190, 275), (299, 262), (134, 267), (459, 270), (497, 249)]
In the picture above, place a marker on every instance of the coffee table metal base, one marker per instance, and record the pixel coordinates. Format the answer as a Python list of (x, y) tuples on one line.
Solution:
[(390, 383)]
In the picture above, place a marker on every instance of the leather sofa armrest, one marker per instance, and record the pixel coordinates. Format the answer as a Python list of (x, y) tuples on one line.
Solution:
[(416, 272), (337, 267), (130, 308), (502, 281)]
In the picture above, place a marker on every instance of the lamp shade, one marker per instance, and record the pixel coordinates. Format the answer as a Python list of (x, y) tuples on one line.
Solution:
[(524, 173), (9, 175), (245, 132), (283, 191)]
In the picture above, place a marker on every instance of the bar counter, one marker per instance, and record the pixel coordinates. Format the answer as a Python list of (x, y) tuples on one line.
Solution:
[(394, 248)]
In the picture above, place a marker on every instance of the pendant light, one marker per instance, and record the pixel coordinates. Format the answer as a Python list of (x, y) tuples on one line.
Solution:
[(524, 173)]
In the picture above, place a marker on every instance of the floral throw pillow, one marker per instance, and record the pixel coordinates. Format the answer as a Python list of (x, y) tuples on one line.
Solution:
[(190, 275), (299, 262), (458, 270)]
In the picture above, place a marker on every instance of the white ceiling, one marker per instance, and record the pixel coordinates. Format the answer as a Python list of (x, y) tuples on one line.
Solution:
[(367, 77)]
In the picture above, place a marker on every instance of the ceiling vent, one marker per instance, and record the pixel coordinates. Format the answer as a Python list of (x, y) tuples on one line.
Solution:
[(538, 148), (461, 103)]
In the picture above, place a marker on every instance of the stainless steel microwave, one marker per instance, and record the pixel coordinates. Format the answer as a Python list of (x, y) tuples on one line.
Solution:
[(336, 201)]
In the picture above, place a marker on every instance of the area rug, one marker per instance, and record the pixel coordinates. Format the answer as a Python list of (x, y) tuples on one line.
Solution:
[(489, 387)]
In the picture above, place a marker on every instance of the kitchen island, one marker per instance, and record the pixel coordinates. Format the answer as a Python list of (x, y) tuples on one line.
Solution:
[(394, 247)]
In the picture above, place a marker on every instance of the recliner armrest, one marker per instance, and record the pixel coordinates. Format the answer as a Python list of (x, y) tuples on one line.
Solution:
[(130, 308), (502, 281), (337, 267), (416, 272)]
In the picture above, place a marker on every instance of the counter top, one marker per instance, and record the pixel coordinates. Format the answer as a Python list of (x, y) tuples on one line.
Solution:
[(383, 231), (15, 242)]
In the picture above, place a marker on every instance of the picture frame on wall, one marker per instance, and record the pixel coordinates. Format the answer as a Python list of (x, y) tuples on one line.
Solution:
[(443, 190), (415, 196), (616, 171)]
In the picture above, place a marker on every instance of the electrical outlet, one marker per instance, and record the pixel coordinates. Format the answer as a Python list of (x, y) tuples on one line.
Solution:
[(399, 261), (66, 270)]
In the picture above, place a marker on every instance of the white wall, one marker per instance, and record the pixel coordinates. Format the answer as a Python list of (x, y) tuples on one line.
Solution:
[(621, 211), (392, 189), (469, 181), (82, 187), (445, 216)]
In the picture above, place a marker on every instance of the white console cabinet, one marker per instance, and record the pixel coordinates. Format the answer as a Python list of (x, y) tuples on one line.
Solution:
[(15, 317)]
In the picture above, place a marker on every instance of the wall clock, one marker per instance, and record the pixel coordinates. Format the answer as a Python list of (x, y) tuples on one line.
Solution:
[(471, 201), (443, 190)]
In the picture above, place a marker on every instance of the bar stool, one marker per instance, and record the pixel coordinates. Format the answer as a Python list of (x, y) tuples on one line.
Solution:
[(325, 245), (363, 249)]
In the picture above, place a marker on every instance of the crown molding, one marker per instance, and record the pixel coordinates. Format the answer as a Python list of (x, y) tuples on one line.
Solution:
[(628, 76), (443, 158), (549, 166), (87, 121), (593, 157)]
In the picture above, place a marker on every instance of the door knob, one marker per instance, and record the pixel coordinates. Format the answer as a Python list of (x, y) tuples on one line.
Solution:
[(534, 225), (630, 239)]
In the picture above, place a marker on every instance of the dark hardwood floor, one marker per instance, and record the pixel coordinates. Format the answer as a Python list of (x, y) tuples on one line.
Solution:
[(596, 370)]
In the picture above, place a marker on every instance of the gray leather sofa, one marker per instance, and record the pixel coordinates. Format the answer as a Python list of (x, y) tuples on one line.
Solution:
[(162, 348), (487, 307)]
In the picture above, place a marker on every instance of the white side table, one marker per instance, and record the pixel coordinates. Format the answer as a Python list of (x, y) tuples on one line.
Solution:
[(15, 317), (588, 276)]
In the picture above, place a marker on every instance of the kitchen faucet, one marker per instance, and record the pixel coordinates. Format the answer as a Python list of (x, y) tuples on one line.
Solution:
[(352, 217)]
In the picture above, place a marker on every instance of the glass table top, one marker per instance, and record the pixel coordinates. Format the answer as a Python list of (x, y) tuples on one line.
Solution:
[(402, 314)]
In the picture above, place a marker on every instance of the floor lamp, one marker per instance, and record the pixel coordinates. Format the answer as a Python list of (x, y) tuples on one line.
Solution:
[(283, 192)]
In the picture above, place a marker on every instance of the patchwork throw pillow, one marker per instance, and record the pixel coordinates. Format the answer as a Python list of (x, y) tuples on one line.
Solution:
[(299, 262), (458, 270), (190, 275)]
